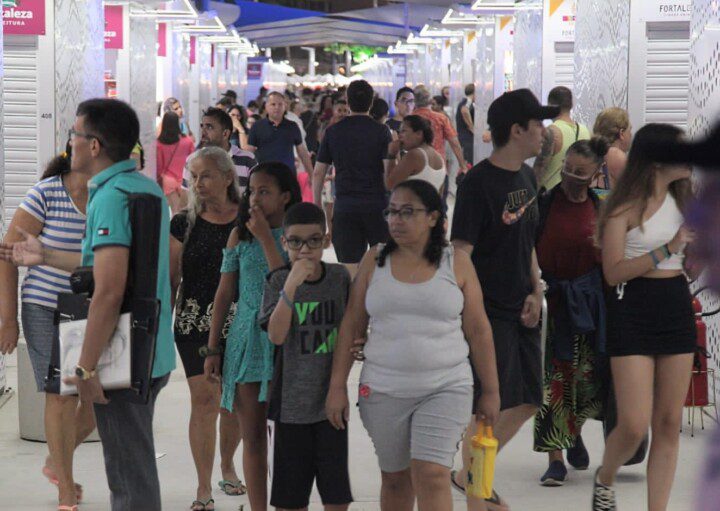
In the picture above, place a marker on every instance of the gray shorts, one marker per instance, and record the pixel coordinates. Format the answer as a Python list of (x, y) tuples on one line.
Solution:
[(40, 333), (427, 428)]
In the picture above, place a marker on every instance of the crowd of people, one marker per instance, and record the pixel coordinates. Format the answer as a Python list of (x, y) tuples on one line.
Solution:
[(443, 315)]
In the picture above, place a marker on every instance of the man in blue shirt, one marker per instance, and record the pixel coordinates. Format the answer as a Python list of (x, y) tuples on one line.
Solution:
[(103, 136)]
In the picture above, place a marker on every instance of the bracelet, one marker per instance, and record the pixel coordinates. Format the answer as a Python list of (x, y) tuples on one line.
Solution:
[(654, 258), (286, 299), (207, 351), (666, 250)]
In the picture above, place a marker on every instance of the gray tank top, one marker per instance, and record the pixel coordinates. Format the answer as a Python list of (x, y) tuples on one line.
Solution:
[(416, 344)]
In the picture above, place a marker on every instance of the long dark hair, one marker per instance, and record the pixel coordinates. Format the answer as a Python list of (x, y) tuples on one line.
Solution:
[(243, 116), (637, 182), (286, 181), (60, 165), (417, 123), (430, 198), (170, 129)]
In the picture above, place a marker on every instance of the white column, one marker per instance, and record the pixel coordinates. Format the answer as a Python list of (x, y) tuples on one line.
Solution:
[(527, 46)]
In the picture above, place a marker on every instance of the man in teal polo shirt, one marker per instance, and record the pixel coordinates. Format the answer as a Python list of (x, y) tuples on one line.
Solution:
[(103, 136)]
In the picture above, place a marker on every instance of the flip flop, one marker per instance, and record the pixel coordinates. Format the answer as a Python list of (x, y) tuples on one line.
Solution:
[(454, 482), (208, 505), (50, 476), (238, 486), (496, 501), (67, 508)]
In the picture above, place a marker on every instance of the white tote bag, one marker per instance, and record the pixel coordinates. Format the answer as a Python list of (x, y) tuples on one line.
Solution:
[(114, 366)]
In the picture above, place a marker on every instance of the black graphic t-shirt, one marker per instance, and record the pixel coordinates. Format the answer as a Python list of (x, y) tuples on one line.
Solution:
[(301, 376), (496, 211)]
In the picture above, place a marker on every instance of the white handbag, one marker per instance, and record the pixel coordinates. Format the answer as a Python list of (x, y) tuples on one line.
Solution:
[(114, 367)]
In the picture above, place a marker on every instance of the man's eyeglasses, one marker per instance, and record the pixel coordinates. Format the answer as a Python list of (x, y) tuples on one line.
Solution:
[(406, 101), (312, 243), (73, 133), (403, 214)]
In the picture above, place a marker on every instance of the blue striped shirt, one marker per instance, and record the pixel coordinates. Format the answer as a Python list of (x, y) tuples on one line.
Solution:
[(63, 229)]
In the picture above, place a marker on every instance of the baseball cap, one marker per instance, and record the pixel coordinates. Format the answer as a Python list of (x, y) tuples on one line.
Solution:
[(230, 93), (518, 106)]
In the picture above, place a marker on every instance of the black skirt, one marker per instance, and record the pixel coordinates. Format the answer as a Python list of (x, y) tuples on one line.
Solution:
[(651, 317)]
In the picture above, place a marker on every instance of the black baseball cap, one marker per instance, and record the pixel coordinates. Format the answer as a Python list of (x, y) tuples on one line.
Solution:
[(518, 106), (230, 94)]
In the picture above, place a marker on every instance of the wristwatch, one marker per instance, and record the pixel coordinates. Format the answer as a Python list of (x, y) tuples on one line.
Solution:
[(84, 374)]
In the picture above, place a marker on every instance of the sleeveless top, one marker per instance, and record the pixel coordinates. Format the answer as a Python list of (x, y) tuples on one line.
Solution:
[(63, 228), (435, 177), (656, 231), (570, 134), (416, 344), (462, 129)]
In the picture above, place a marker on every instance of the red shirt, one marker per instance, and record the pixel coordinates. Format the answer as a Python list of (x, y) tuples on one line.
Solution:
[(441, 126), (171, 158), (566, 249)]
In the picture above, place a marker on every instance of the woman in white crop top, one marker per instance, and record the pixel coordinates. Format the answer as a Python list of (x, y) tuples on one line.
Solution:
[(423, 303), (650, 322), (420, 160)]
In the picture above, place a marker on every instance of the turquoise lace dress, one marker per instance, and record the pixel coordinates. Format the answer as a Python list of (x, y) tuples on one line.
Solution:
[(248, 351)]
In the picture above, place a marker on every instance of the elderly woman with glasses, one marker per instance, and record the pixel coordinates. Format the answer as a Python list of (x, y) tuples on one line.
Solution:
[(423, 302)]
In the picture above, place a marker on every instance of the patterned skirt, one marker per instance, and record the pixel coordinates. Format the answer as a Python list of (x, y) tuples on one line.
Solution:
[(574, 391)]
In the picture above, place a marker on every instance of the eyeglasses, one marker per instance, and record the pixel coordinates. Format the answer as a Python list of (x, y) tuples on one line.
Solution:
[(406, 101), (72, 133), (312, 243), (403, 214)]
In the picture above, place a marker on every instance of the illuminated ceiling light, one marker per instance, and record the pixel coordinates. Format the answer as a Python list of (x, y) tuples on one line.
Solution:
[(203, 25), (462, 19), (179, 10), (413, 39), (495, 8)]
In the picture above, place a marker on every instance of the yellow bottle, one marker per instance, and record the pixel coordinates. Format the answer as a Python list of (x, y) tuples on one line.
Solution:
[(482, 463)]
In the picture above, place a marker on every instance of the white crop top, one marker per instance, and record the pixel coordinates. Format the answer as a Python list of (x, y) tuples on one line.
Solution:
[(657, 230), (435, 177)]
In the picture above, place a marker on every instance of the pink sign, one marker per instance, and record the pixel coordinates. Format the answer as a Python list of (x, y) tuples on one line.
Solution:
[(113, 27), (162, 40), (27, 17), (193, 44)]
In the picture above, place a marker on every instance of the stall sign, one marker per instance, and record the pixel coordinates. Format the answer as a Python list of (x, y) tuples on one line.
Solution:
[(193, 48), (24, 17), (667, 10), (254, 70), (212, 55), (113, 27), (162, 40), (560, 20)]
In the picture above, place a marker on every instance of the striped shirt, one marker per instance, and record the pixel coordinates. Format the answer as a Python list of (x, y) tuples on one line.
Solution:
[(63, 229), (243, 160)]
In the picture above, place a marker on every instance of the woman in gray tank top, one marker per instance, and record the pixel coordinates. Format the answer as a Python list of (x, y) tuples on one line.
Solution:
[(423, 304)]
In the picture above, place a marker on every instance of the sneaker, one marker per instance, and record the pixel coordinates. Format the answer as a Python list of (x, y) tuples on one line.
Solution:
[(555, 474), (578, 456), (603, 496)]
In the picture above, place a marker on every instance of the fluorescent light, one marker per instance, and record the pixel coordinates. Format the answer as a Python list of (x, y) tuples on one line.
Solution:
[(203, 25), (428, 31), (495, 8), (465, 20), (186, 11)]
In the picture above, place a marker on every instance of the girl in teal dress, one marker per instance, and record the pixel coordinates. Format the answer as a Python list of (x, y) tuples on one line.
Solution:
[(253, 250)]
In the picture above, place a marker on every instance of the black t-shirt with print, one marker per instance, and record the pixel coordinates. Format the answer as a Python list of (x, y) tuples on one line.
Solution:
[(496, 211), (301, 376), (201, 261)]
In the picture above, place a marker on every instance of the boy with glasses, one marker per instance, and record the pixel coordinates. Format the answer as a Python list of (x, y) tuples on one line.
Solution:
[(302, 308), (404, 106)]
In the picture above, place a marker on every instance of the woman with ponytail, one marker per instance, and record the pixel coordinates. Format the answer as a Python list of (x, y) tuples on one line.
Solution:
[(425, 307)]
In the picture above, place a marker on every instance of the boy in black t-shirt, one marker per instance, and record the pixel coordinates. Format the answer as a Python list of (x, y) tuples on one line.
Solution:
[(303, 305), (495, 221)]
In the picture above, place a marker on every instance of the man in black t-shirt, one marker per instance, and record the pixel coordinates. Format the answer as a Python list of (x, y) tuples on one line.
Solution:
[(357, 146), (495, 221)]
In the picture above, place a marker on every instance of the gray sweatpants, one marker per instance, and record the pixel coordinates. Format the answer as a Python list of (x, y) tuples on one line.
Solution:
[(126, 432)]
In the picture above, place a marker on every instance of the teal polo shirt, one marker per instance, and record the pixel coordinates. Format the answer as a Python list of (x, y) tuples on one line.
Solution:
[(108, 224)]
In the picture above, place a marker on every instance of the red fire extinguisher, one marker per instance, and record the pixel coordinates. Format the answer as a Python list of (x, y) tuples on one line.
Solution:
[(698, 392)]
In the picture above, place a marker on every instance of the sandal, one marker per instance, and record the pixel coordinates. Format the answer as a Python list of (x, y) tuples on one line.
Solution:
[(199, 505), (67, 508), (52, 479), (454, 482), (496, 500), (238, 487)]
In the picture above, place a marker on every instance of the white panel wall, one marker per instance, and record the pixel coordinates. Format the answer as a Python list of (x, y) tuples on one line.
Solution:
[(484, 87), (602, 35), (503, 55), (528, 43), (181, 73)]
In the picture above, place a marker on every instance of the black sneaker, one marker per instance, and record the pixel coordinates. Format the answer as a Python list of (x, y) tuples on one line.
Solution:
[(555, 474), (578, 456), (603, 496)]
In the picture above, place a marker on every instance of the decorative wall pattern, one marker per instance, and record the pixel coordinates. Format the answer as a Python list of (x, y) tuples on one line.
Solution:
[(206, 73), (484, 88), (703, 112), (79, 60), (143, 41), (527, 65), (181, 70), (602, 32)]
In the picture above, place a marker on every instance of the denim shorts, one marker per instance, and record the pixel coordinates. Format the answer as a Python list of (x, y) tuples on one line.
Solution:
[(40, 334)]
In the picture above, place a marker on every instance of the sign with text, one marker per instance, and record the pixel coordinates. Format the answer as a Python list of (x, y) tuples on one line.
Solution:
[(24, 17), (560, 20), (113, 27), (667, 10), (162, 40), (254, 70)]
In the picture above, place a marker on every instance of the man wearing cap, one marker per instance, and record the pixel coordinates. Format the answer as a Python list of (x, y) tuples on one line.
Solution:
[(495, 221)]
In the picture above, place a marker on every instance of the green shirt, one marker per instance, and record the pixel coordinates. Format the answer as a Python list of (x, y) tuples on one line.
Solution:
[(571, 133), (108, 224)]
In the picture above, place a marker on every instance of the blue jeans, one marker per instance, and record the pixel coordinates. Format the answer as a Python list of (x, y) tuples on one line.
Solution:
[(126, 431)]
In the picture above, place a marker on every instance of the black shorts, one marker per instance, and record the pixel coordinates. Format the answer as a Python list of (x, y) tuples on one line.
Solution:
[(353, 233), (192, 362), (651, 317), (518, 356), (303, 453)]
